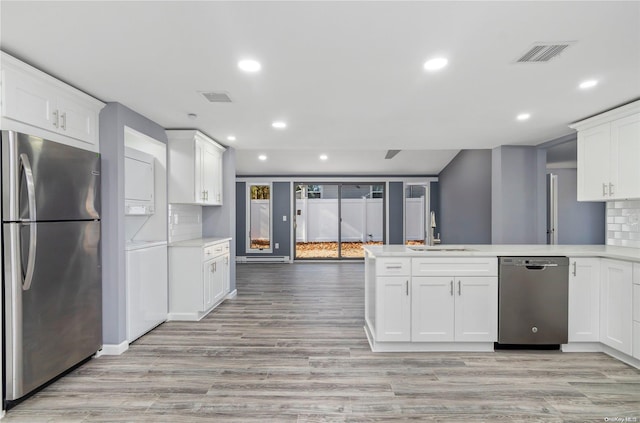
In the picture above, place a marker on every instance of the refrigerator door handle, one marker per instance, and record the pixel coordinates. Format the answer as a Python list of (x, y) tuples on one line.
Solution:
[(33, 235)]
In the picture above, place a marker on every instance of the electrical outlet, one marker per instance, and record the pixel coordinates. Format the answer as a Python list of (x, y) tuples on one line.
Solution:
[(277, 245), (284, 218)]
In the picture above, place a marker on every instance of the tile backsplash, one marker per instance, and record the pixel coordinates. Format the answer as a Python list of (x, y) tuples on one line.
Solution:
[(185, 222), (623, 223)]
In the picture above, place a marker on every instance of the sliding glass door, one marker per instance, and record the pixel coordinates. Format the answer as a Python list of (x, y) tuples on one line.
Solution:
[(334, 221)]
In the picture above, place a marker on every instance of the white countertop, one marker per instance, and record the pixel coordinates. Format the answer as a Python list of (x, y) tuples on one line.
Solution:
[(199, 242), (605, 251), (137, 245)]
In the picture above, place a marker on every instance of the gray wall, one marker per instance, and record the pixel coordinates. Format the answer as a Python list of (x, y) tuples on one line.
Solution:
[(465, 199), (113, 118), (518, 197), (396, 213), (220, 221), (281, 231), (578, 222)]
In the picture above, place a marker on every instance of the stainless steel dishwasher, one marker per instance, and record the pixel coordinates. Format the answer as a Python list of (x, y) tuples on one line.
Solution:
[(533, 297)]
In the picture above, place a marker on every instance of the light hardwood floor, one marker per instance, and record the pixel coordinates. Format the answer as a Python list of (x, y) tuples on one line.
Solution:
[(291, 348)]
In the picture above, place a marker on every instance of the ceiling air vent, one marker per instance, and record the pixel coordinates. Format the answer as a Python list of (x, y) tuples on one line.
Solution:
[(543, 52), (216, 96), (391, 154)]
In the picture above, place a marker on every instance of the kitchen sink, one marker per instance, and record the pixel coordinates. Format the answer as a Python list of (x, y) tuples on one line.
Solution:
[(430, 248)]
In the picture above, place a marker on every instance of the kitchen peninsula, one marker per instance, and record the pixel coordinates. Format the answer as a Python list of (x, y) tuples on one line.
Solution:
[(445, 298)]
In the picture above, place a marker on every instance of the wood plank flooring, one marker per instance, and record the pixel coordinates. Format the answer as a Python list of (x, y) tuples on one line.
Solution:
[(291, 348)]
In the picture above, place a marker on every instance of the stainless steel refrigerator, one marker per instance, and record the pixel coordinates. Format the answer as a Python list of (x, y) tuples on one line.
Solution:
[(51, 259)]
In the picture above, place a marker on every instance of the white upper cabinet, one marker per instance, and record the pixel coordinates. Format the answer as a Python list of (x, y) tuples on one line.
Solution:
[(195, 168), (608, 155), (36, 103)]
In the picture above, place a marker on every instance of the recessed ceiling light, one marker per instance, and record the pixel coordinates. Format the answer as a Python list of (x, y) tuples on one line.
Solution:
[(323, 157), (249, 65), (231, 138), (523, 116), (584, 85), (262, 157), (279, 124), (435, 64)]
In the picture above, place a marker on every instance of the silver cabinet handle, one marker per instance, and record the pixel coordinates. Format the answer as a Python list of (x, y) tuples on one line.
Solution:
[(33, 236), (211, 268), (574, 269), (611, 188), (63, 125), (206, 193), (218, 198), (56, 118), (604, 189), (406, 284), (459, 289), (451, 288), (202, 196), (394, 267)]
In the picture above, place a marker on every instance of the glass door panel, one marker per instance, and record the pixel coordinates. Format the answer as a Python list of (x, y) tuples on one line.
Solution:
[(316, 214), (415, 210), (362, 218), (259, 220)]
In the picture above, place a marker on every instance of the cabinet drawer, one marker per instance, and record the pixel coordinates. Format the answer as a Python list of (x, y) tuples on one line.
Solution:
[(215, 250), (393, 266), (454, 266)]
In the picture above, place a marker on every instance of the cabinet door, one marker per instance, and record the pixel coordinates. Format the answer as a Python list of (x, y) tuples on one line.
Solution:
[(625, 145), (594, 163), (29, 100), (208, 276), (476, 309), (227, 274), (77, 120), (209, 173), (217, 283), (432, 309), (584, 300), (615, 305), (393, 309), (199, 189)]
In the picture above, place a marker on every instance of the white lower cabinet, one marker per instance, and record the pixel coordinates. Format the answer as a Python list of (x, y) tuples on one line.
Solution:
[(415, 302), (448, 309), (393, 308), (146, 283), (432, 309), (198, 280), (584, 299), (616, 302), (476, 309)]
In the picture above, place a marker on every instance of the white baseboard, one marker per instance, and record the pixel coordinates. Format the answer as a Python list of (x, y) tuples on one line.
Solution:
[(258, 259), (621, 356), (426, 346), (232, 294), (185, 317), (582, 347), (113, 349)]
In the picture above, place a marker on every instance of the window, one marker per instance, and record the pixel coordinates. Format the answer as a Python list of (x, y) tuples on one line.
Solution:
[(259, 218)]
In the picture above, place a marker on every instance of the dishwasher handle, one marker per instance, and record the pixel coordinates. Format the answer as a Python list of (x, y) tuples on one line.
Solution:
[(541, 267)]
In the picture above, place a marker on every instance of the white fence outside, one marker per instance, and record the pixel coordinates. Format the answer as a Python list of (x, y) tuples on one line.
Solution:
[(260, 219), (317, 220), (362, 219)]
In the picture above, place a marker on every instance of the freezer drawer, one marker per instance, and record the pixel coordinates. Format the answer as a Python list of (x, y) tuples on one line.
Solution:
[(54, 318)]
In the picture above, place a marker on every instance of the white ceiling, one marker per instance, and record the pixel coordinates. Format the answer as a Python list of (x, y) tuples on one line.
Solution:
[(344, 75)]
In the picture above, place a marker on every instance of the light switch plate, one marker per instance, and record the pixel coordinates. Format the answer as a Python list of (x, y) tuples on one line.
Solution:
[(284, 218)]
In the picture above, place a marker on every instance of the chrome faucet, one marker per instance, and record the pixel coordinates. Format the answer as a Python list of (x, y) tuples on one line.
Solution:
[(432, 239)]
